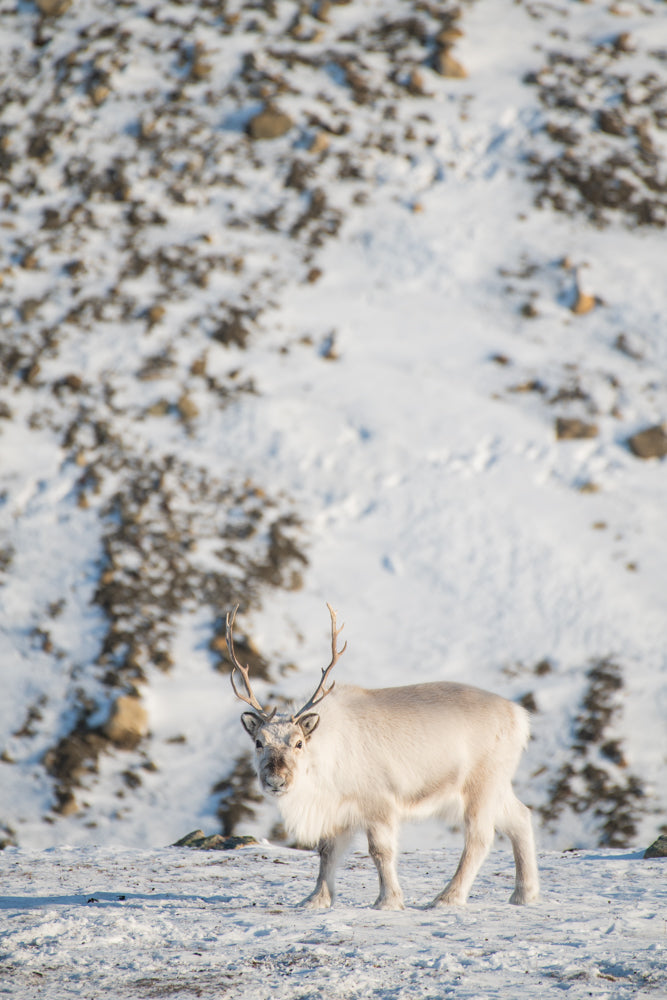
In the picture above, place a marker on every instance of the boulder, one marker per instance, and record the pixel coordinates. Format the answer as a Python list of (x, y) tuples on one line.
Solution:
[(649, 443), (53, 8), (658, 848), (269, 124), (572, 429), (128, 723), (446, 65)]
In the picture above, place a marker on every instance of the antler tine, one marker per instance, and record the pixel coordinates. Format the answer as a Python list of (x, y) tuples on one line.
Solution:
[(321, 691), (250, 698)]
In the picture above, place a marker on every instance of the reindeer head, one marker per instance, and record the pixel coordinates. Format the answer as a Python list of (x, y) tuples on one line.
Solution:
[(281, 740)]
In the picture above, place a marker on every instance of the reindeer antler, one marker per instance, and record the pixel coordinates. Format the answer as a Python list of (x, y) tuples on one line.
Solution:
[(317, 697), (250, 698)]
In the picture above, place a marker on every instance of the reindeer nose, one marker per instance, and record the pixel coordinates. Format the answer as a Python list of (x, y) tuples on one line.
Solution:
[(274, 782), (274, 775)]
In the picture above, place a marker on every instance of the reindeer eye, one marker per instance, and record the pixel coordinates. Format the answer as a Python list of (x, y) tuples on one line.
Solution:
[(299, 744), (258, 744)]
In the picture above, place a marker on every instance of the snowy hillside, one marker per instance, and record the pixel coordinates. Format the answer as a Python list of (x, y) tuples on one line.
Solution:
[(352, 302)]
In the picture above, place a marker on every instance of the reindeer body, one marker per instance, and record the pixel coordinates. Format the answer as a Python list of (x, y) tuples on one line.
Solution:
[(368, 759), (400, 752)]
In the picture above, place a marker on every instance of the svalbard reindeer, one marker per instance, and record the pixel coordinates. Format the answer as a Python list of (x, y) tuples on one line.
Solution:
[(367, 759)]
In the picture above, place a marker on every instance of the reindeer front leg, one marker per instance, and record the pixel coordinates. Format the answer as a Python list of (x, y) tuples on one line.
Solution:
[(382, 848), (330, 850)]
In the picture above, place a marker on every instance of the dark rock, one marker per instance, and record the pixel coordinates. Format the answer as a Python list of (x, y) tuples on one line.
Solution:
[(198, 840), (611, 122), (658, 848)]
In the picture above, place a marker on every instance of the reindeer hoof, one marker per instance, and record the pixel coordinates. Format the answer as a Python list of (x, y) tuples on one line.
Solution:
[(316, 901), (447, 899), (389, 903), (523, 895)]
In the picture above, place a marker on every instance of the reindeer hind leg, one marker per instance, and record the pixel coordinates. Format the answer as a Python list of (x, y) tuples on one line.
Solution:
[(515, 821), (479, 833)]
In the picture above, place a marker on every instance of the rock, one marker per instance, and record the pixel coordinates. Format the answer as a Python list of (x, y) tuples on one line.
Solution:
[(611, 122), (416, 85), (66, 804), (155, 313), (269, 124), (623, 42), (99, 93), (571, 429), (649, 443), (446, 65), (658, 848), (216, 842), (320, 143), (187, 408), (53, 8), (583, 303), (448, 36), (128, 723), (201, 68), (159, 409)]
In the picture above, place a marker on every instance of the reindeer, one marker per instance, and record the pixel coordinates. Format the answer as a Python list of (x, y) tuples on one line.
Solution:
[(367, 759)]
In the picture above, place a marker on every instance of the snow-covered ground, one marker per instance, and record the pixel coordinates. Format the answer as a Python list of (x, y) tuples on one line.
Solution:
[(98, 922), (350, 344)]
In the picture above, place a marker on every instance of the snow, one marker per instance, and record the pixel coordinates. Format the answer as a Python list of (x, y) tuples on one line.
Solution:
[(138, 923), (396, 397), (401, 408)]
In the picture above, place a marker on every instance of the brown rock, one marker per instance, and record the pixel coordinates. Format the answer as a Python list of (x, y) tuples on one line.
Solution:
[(320, 143), (128, 723), (269, 124), (416, 85), (66, 804), (200, 68), (649, 443), (572, 429), (155, 313), (448, 36), (446, 65), (583, 303), (53, 8), (99, 94), (187, 407)]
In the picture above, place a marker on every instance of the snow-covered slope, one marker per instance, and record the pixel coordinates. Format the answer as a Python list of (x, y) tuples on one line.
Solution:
[(391, 357)]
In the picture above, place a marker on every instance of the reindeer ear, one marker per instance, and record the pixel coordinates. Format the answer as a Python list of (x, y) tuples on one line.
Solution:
[(309, 723), (251, 723)]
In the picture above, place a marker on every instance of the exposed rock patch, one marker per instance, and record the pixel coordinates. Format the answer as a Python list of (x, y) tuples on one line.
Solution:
[(596, 778), (606, 113)]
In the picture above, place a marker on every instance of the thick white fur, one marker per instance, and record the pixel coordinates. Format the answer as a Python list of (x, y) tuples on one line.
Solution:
[(376, 757)]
